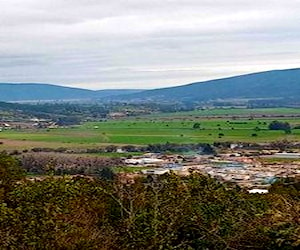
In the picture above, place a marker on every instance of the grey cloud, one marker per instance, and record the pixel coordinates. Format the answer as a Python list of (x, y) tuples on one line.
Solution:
[(128, 43)]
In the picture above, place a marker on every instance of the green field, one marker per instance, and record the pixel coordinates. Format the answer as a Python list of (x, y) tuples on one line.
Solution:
[(229, 112), (149, 131)]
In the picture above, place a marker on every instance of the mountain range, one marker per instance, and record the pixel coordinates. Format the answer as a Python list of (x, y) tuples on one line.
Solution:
[(264, 85), (277, 84), (14, 92)]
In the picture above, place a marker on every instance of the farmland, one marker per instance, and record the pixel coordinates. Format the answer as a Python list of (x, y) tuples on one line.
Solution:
[(229, 112), (152, 130)]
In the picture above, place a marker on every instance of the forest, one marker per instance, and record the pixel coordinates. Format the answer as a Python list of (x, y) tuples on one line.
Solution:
[(163, 212)]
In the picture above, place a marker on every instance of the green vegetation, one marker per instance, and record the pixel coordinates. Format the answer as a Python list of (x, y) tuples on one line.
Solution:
[(276, 160), (62, 113), (141, 131), (229, 112), (277, 125), (10, 172), (129, 169), (167, 212)]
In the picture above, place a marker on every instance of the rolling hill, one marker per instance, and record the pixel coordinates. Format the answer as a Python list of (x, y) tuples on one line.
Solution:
[(266, 85), (10, 92), (277, 84)]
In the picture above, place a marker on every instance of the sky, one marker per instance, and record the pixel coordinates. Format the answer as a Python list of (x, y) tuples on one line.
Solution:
[(144, 44)]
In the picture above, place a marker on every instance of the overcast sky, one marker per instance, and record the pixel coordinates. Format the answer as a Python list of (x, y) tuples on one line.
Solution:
[(101, 44)]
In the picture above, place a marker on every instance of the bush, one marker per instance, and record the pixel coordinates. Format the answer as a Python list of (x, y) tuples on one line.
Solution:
[(196, 125), (277, 125), (10, 171)]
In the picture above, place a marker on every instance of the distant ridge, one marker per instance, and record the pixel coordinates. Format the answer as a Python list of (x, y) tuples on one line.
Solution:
[(268, 85), (276, 84), (10, 92)]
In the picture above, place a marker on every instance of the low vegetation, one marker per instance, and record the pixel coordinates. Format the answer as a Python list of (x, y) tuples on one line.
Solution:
[(142, 131)]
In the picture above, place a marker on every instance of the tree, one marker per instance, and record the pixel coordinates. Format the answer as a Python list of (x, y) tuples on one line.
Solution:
[(277, 125), (10, 172), (68, 121), (106, 173), (196, 125)]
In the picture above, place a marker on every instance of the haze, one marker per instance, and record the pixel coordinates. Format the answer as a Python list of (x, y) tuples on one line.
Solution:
[(97, 44)]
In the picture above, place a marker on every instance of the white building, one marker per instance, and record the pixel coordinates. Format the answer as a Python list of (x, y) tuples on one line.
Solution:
[(258, 191), (156, 171)]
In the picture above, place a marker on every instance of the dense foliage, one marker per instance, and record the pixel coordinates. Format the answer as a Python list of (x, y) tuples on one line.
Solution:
[(166, 212), (60, 164), (62, 113), (277, 125), (204, 148), (65, 114)]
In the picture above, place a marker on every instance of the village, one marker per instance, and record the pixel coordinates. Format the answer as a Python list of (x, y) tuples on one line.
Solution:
[(256, 174)]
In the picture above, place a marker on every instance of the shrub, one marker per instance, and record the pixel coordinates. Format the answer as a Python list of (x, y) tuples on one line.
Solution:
[(277, 125)]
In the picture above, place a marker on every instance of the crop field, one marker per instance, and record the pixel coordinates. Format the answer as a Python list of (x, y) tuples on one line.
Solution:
[(141, 131), (228, 112)]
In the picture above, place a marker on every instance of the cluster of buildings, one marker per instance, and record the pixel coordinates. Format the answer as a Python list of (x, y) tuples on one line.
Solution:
[(247, 175), (251, 173), (32, 123), (4, 126)]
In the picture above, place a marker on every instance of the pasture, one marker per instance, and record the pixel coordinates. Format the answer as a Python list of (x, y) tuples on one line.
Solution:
[(141, 131), (230, 112)]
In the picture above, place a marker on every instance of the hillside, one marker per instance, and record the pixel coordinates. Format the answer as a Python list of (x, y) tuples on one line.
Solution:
[(269, 85), (39, 92), (277, 84)]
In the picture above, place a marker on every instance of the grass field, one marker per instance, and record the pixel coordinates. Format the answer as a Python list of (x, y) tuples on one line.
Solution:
[(224, 112), (142, 131), (232, 112)]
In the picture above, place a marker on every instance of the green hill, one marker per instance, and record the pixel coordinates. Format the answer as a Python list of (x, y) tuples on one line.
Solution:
[(268, 85)]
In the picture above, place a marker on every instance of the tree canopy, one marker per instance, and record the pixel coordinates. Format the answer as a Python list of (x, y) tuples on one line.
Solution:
[(166, 212), (277, 125)]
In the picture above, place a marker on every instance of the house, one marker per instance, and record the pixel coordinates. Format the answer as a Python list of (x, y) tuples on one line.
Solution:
[(144, 161), (120, 151), (155, 171), (5, 126), (117, 115), (258, 191)]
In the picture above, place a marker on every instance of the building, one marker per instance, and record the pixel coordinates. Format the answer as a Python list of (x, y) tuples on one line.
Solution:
[(144, 161), (258, 191), (287, 155), (155, 171)]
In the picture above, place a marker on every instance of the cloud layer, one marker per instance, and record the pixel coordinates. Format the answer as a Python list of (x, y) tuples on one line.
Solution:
[(144, 44)]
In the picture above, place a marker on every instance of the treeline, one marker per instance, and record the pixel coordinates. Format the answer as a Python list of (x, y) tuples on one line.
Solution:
[(272, 103), (167, 212), (204, 148), (73, 113), (200, 148), (61, 164), (62, 113)]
